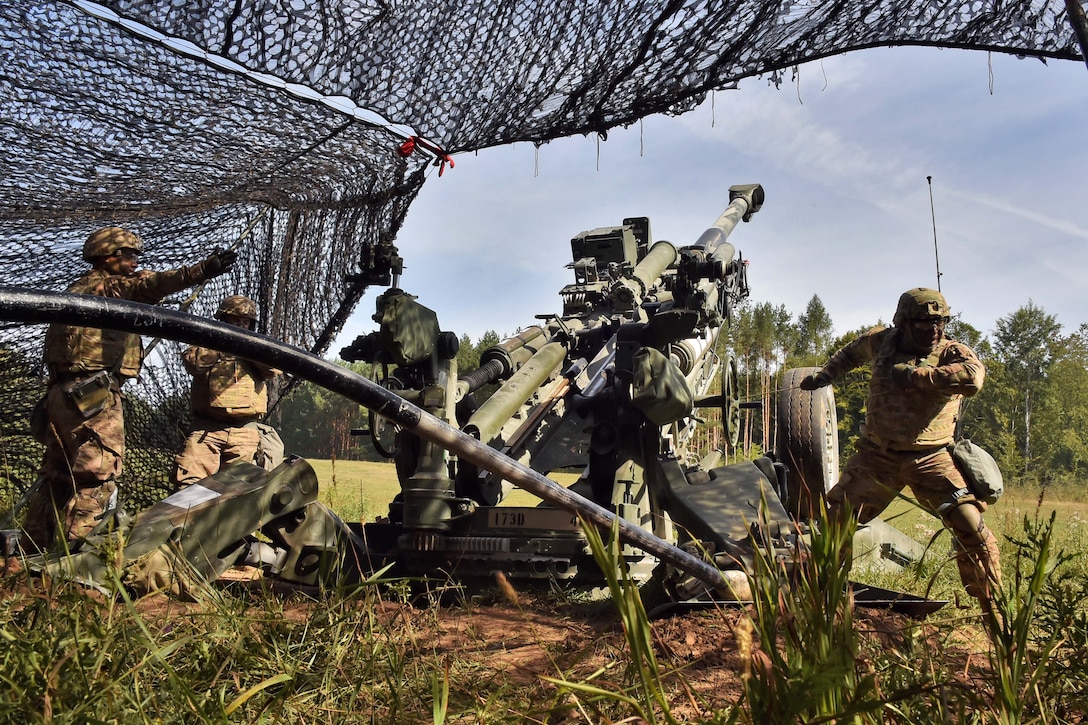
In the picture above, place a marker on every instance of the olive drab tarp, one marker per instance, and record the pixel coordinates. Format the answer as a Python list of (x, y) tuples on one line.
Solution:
[(274, 126)]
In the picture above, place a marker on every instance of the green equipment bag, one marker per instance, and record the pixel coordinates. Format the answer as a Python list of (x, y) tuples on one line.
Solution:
[(660, 389), (979, 469)]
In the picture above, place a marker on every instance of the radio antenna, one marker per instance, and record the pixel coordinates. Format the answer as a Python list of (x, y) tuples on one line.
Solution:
[(933, 215)]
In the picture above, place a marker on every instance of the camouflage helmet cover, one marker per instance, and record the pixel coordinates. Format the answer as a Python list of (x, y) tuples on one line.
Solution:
[(920, 303), (108, 240), (239, 306)]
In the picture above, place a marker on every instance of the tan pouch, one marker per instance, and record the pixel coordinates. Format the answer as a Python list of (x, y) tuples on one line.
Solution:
[(90, 394), (270, 450)]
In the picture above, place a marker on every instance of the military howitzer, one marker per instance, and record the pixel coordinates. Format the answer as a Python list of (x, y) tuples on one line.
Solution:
[(608, 387)]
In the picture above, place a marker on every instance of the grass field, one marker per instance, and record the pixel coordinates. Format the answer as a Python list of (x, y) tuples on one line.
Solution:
[(362, 490)]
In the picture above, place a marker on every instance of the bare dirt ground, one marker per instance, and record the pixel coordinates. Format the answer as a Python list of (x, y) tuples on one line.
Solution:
[(697, 650), (517, 643)]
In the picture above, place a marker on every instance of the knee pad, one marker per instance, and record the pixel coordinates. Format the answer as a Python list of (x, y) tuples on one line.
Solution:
[(965, 522)]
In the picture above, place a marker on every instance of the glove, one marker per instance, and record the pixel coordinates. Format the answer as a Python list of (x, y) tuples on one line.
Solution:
[(902, 375), (219, 262), (814, 381)]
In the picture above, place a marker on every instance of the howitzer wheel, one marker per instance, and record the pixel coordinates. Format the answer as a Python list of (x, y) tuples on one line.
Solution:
[(807, 442)]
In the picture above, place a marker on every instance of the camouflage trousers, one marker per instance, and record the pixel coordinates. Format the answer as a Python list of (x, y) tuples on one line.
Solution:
[(82, 460), (872, 479), (211, 446)]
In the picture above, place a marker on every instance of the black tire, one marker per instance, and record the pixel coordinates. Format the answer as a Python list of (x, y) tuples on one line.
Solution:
[(807, 442)]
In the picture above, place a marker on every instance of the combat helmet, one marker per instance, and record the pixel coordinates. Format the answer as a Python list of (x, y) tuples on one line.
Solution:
[(239, 306), (920, 303), (108, 240)]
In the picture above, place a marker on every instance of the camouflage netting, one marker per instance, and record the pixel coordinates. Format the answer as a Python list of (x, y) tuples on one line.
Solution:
[(273, 127)]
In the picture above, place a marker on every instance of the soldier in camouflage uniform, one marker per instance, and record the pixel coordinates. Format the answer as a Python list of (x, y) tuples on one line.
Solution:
[(85, 436), (228, 393), (919, 379)]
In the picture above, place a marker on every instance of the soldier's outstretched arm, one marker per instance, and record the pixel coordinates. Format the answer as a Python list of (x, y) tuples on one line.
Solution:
[(151, 287), (855, 354)]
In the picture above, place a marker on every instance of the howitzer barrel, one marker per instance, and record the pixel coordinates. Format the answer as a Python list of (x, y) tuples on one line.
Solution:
[(744, 201), (489, 419), (19, 304)]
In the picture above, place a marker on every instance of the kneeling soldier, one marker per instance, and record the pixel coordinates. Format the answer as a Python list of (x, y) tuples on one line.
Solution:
[(228, 393)]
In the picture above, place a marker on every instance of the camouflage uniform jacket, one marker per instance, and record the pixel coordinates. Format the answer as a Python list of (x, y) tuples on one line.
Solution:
[(919, 417), (72, 350), (226, 387)]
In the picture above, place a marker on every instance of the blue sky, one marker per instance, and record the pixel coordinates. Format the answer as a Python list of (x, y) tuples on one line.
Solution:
[(843, 151)]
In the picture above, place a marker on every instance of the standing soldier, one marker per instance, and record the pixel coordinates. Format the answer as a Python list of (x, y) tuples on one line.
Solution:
[(919, 379), (228, 392), (85, 437)]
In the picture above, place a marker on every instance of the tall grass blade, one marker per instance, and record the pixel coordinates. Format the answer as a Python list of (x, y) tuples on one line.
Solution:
[(440, 692), (264, 685)]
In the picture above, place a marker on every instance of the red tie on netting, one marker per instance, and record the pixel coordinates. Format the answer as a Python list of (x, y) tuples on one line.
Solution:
[(441, 157)]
